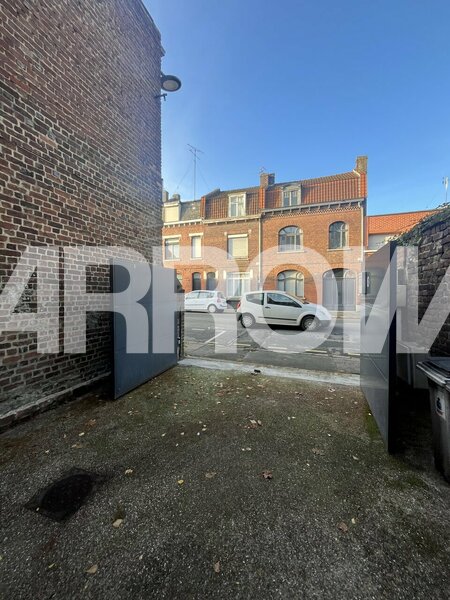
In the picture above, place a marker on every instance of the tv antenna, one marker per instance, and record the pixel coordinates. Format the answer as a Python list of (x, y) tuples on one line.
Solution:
[(195, 153)]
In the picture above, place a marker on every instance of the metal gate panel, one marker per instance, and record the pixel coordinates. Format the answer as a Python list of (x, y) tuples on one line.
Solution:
[(133, 369), (378, 369)]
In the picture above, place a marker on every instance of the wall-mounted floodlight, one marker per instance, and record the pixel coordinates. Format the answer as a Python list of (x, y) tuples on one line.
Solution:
[(169, 83)]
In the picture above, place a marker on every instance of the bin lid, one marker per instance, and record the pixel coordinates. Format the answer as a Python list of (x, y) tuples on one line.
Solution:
[(441, 363)]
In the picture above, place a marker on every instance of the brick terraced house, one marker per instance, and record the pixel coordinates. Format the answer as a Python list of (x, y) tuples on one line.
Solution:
[(291, 236)]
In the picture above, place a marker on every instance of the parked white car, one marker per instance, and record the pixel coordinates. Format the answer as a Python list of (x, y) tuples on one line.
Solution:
[(280, 308), (205, 301)]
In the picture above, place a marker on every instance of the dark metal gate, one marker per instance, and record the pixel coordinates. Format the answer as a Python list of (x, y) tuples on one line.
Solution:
[(378, 366), (132, 369)]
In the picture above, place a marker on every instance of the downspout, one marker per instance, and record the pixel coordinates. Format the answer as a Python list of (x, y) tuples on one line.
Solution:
[(260, 251)]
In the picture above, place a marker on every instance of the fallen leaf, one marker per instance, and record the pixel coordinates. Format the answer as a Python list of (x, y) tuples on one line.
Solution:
[(267, 474), (355, 458), (210, 475), (117, 523), (331, 390), (92, 422), (343, 527), (259, 422), (353, 521), (77, 445), (81, 434), (216, 567), (253, 424), (318, 451), (180, 481), (92, 570), (128, 471), (51, 566)]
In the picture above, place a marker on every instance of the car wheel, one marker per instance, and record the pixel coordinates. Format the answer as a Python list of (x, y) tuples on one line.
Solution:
[(247, 320), (309, 323), (212, 308)]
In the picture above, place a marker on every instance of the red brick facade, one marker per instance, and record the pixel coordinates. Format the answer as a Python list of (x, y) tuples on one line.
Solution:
[(81, 158), (320, 203)]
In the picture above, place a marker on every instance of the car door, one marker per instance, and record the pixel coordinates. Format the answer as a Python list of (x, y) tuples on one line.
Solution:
[(202, 301), (280, 309), (189, 300)]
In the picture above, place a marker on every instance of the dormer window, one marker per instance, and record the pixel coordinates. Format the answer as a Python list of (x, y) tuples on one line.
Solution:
[(291, 197), (236, 205)]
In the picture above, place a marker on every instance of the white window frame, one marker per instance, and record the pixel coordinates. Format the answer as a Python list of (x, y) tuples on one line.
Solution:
[(245, 280), (290, 190), (196, 236), (171, 238), (235, 236), (238, 199)]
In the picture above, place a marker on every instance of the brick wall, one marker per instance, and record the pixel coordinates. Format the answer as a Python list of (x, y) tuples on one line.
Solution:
[(81, 157), (433, 239)]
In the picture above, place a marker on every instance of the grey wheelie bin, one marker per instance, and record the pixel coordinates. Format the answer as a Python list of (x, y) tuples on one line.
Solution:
[(437, 371)]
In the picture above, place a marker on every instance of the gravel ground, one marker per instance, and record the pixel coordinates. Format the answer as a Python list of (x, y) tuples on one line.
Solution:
[(183, 467)]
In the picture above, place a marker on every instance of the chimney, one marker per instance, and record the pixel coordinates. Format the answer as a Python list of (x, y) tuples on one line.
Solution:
[(165, 196), (176, 197), (266, 179), (361, 164)]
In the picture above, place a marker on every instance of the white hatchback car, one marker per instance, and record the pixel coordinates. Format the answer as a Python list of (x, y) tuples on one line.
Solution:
[(205, 301), (280, 308)]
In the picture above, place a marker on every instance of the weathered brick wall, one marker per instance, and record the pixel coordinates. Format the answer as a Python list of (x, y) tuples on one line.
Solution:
[(433, 239), (434, 260), (81, 157)]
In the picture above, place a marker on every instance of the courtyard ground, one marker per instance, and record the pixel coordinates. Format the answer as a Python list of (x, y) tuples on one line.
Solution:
[(223, 485)]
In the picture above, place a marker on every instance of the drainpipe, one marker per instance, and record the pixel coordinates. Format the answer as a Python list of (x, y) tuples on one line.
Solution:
[(260, 251)]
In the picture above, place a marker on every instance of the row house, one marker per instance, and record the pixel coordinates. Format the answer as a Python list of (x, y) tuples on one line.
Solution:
[(293, 236)]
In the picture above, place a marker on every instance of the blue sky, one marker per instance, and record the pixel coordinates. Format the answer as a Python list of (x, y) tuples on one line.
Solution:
[(301, 87)]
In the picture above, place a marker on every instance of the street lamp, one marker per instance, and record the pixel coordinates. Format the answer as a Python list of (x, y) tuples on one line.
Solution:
[(169, 83)]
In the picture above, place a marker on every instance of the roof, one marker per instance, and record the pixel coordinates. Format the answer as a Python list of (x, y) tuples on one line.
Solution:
[(190, 211), (395, 222)]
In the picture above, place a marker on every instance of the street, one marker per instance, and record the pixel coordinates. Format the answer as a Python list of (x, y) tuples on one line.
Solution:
[(219, 336)]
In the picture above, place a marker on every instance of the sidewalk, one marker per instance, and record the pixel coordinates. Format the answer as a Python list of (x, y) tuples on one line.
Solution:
[(183, 459)]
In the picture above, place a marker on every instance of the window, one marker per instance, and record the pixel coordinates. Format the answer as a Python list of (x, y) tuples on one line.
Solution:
[(290, 239), (236, 206), (237, 246), (211, 282), (338, 235), (282, 300), (255, 298), (291, 197), (172, 248), (203, 295), (291, 282), (196, 246), (196, 281), (238, 284)]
